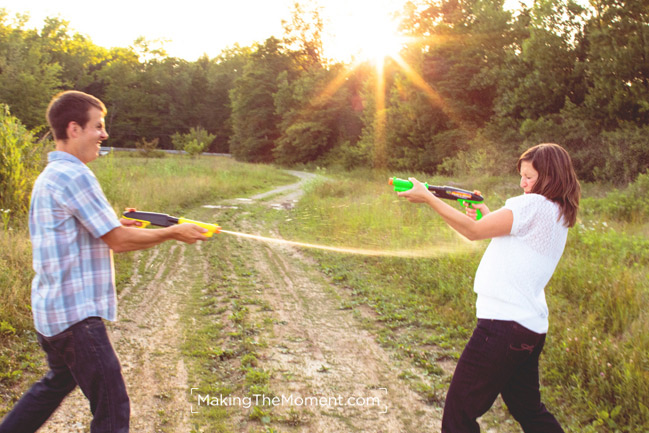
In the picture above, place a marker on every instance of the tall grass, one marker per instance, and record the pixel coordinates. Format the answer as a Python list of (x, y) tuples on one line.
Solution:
[(174, 183), (595, 367)]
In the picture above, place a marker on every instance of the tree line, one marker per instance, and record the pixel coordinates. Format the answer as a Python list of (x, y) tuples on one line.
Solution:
[(475, 84)]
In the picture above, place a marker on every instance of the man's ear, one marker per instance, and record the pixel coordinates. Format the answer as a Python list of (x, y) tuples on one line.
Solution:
[(73, 129)]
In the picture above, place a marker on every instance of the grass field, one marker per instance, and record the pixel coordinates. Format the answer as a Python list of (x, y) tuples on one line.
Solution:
[(595, 366)]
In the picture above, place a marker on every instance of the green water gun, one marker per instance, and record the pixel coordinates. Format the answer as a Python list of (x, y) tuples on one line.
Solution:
[(164, 220), (446, 192)]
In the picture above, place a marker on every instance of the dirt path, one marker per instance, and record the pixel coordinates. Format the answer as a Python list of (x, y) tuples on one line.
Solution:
[(315, 350), (321, 350)]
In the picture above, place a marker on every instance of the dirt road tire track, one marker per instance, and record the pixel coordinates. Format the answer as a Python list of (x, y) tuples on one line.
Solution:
[(324, 351)]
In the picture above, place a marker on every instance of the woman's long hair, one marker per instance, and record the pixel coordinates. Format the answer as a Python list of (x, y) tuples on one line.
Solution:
[(557, 180)]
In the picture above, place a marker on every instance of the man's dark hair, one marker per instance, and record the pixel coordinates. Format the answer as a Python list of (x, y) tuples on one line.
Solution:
[(70, 106)]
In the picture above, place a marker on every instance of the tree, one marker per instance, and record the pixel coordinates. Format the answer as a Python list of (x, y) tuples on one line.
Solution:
[(254, 121), (77, 56), (224, 71), (314, 116), (28, 77), (303, 36), (618, 63)]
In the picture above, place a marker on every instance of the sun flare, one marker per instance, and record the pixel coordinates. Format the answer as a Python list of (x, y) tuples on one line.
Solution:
[(367, 34)]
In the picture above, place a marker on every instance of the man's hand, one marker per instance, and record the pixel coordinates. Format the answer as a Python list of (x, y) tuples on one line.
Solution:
[(188, 233), (130, 223), (122, 239)]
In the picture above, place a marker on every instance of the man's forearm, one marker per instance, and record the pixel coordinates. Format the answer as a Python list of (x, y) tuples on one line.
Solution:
[(123, 239)]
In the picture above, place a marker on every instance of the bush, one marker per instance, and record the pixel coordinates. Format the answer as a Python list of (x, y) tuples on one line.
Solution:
[(193, 142), (629, 205), (149, 148), (21, 159)]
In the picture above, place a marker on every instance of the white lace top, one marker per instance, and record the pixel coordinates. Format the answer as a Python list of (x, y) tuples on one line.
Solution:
[(515, 269)]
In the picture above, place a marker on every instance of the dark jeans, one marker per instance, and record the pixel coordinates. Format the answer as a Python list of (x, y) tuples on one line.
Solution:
[(502, 357), (81, 355)]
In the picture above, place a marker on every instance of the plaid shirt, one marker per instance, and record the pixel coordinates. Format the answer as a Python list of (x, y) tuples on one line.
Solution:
[(74, 267)]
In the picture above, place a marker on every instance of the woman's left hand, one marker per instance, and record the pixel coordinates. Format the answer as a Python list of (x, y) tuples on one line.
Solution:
[(417, 194)]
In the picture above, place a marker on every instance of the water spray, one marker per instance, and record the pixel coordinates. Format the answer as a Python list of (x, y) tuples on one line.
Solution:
[(163, 220)]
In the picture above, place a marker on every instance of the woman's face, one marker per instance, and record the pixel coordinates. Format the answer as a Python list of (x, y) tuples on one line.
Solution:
[(529, 176)]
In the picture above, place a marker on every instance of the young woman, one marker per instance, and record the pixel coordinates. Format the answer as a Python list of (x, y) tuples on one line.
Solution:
[(528, 238)]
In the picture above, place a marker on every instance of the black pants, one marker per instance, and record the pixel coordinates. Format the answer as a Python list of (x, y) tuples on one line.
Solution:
[(502, 357), (81, 355)]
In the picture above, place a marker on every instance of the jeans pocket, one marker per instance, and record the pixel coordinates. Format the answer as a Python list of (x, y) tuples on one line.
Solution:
[(69, 356), (522, 348), (524, 343)]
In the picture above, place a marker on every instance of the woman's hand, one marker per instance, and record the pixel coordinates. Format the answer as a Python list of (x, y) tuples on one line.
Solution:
[(471, 208), (417, 194)]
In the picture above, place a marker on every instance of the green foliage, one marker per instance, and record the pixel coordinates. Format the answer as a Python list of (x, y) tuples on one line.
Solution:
[(17, 341), (28, 75), (617, 63), (629, 205), (21, 159), (193, 142), (254, 121), (627, 152), (314, 120)]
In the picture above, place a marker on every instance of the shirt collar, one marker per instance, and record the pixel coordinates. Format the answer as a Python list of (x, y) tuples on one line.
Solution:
[(59, 155)]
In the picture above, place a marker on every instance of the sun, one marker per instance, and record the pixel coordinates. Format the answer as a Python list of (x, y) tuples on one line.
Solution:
[(368, 33)]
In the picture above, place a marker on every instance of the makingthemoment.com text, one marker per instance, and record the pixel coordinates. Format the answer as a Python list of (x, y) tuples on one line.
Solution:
[(290, 400)]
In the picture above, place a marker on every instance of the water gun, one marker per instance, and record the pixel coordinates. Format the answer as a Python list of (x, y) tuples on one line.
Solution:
[(446, 192), (164, 220)]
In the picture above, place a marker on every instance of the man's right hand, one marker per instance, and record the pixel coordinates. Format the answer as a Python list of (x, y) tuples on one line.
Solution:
[(188, 233), (122, 239)]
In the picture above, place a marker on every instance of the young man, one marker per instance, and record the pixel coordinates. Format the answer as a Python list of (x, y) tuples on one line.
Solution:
[(73, 229)]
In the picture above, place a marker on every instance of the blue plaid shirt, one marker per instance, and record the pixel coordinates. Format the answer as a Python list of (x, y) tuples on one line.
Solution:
[(74, 267)]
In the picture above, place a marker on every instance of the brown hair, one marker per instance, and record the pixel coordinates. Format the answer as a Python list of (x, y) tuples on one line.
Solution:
[(70, 106), (557, 180)]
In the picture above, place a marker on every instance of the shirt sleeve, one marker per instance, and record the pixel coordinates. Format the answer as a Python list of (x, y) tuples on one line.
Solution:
[(524, 208), (84, 198)]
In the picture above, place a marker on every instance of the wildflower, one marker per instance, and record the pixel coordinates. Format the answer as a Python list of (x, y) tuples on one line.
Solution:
[(602, 374)]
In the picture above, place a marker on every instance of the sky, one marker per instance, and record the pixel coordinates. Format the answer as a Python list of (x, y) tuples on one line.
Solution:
[(196, 27)]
